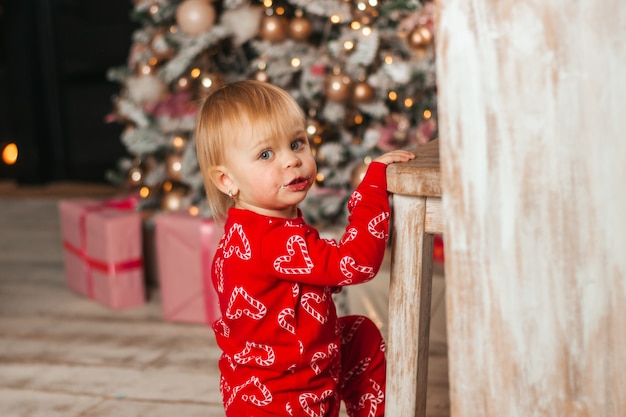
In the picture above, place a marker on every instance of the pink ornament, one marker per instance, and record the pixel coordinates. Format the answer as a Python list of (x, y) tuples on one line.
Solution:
[(195, 17)]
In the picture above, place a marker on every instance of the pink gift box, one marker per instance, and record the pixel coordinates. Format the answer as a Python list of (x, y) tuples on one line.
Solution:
[(102, 242), (185, 246)]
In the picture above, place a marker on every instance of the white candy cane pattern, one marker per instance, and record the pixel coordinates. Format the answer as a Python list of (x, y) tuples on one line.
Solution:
[(309, 400), (347, 336), (350, 235), (371, 226), (317, 356), (218, 270), (373, 399), (320, 316), (348, 264), (355, 198), (293, 243), (358, 369), (253, 308), (221, 328), (286, 317), (243, 250), (259, 397), (295, 290), (262, 355)]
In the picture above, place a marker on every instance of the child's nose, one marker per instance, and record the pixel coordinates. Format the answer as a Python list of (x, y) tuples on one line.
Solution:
[(293, 160)]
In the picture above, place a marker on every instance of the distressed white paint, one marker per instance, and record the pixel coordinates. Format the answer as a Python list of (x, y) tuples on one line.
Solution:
[(532, 100)]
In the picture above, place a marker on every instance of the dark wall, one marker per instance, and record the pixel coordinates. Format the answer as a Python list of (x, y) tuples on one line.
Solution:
[(54, 91)]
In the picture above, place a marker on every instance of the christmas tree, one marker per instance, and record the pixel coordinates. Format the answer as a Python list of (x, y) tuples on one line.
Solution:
[(362, 70)]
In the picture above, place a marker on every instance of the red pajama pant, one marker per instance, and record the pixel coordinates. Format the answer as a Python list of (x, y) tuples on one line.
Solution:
[(362, 385), (361, 382)]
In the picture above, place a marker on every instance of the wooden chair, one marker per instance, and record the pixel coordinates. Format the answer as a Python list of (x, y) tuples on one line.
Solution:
[(416, 199)]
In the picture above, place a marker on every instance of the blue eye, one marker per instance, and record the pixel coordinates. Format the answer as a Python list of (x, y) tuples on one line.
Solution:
[(297, 144), (266, 154)]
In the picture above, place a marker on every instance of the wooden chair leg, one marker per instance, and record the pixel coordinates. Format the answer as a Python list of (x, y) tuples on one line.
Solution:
[(409, 309)]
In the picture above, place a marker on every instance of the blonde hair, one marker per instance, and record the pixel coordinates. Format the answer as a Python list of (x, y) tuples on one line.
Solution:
[(234, 112)]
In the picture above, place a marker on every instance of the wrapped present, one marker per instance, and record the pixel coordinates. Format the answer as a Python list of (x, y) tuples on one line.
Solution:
[(185, 246), (102, 242)]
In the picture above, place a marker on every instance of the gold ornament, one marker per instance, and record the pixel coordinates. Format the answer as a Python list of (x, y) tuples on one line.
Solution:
[(357, 174), (362, 92), (299, 27), (420, 38), (338, 87), (273, 28), (195, 16)]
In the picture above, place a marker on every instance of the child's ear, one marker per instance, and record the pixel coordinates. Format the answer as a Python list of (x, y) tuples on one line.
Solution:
[(221, 179)]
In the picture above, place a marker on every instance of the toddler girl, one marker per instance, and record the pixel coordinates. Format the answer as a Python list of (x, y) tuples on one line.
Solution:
[(285, 351)]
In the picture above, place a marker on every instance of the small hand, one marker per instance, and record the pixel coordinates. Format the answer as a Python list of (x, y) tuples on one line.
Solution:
[(399, 155)]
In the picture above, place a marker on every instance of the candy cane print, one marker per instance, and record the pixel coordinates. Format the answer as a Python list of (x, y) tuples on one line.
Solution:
[(224, 387), (287, 313), (218, 270), (374, 399), (256, 311), (317, 356), (265, 358), (371, 226), (251, 398), (358, 369), (305, 402), (221, 328), (348, 261), (243, 252), (347, 336), (350, 235), (354, 200), (294, 242), (306, 305)]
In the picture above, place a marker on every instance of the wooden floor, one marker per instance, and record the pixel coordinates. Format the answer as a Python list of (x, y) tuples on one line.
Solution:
[(64, 356)]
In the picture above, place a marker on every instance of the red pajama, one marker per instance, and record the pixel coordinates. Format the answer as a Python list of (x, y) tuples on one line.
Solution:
[(285, 351)]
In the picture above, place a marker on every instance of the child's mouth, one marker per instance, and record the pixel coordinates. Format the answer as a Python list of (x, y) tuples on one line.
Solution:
[(297, 184)]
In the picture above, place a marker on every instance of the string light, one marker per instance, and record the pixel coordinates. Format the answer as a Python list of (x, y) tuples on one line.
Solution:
[(178, 141), (9, 154), (144, 192), (427, 114), (135, 176)]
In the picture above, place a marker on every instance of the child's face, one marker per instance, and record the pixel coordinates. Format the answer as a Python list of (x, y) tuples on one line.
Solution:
[(271, 177)]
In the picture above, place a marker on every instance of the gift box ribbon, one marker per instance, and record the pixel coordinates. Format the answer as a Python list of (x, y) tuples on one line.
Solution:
[(89, 263)]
